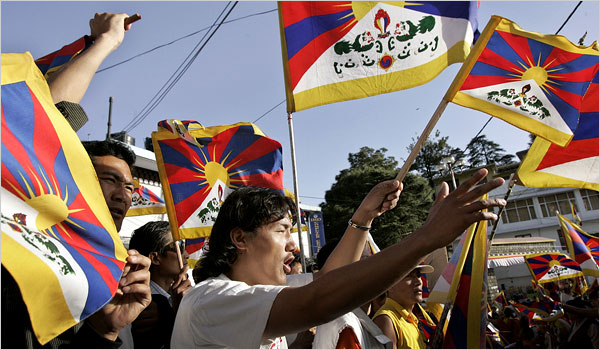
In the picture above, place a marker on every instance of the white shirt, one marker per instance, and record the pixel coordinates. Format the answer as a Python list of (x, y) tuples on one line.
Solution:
[(369, 335), (221, 313), (156, 289)]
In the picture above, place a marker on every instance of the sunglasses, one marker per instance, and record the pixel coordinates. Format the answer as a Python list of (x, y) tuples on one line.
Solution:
[(173, 246)]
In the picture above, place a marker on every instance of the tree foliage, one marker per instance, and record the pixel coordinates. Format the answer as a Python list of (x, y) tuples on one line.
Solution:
[(431, 155), (367, 168), (481, 151)]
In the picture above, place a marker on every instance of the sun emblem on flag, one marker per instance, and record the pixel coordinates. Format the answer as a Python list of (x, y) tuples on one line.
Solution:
[(540, 73), (209, 171)]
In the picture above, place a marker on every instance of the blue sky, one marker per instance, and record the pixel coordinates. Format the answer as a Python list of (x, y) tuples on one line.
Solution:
[(238, 76)]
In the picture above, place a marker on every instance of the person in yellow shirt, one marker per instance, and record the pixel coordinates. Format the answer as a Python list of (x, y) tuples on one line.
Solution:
[(398, 318)]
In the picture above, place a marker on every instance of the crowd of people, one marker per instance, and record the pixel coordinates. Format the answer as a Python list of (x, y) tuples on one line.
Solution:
[(249, 292)]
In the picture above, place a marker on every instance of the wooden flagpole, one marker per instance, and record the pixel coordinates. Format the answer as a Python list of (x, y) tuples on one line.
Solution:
[(421, 141), (296, 191)]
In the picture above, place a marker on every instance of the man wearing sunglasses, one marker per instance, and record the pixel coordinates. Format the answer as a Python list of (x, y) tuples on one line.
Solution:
[(168, 283)]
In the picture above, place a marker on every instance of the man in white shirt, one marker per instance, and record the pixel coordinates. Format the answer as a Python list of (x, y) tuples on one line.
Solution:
[(242, 301)]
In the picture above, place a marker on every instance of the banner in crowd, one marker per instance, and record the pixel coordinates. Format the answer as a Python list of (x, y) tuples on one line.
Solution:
[(199, 167), (145, 202), (582, 247), (546, 309), (342, 50), (549, 165), (548, 267), (533, 81), (59, 241), (317, 231), (575, 216), (467, 324)]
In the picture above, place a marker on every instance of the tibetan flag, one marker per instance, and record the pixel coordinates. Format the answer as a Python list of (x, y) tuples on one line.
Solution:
[(52, 62), (549, 267), (582, 247), (145, 202), (343, 50), (468, 318), (501, 299), (547, 310), (59, 241), (425, 287), (193, 246), (549, 165), (199, 167), (533, 81)]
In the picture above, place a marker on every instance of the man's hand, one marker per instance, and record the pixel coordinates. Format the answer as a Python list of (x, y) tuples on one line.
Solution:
[(453, 212), (132, 297), (109, 27), (382, 197), (179, 287)]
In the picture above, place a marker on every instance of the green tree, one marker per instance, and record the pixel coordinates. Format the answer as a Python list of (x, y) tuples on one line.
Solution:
[(481, 152), (367, 168), (431, 154)]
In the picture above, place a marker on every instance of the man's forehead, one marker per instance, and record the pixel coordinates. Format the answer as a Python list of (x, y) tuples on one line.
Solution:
[(113, 165)]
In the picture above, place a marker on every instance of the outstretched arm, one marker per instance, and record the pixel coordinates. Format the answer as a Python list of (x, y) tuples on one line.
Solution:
[(382, 197), (348, 287), (70, 82)]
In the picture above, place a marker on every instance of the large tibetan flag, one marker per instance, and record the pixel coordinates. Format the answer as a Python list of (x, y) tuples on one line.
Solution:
[(145, 202), (533, 81), (549, 165), (468, 320), (549, 267), (582, 247), (59, 241), (199, 167), (342, 50), (55, 60)]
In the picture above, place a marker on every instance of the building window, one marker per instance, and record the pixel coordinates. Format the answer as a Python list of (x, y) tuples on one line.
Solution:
[(553, 202), (519, 210), (590, 199), (523, 236)]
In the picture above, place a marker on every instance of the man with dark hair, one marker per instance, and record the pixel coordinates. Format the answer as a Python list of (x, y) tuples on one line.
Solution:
[(113, 161), (168, 284), (243, 302)]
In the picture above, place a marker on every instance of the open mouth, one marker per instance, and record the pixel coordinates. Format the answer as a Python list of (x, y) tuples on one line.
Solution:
[(286, 265)]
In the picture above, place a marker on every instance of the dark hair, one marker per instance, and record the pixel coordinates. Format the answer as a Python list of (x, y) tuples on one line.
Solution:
[(152, 237), (247, 208), (110, 147), (325, 251)]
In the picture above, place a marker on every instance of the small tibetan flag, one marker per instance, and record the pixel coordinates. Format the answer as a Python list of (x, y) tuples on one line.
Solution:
[(343, 50), (145, 202), (582, 247), (501, 299), (575, 215), (533, 81), (549, 267)]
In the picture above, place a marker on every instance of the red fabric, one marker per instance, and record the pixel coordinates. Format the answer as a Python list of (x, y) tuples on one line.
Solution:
[(348, 340)]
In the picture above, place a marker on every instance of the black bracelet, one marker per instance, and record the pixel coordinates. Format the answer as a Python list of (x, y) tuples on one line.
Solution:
[(364, 228)]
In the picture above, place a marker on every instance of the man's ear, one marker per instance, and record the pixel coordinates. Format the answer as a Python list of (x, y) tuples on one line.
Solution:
[(239, 238), (154, 258)]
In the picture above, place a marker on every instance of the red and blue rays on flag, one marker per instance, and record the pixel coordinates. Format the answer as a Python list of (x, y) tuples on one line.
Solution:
[(35, 170), (542, 267), (200, 166), (56, 59), (582, 247)]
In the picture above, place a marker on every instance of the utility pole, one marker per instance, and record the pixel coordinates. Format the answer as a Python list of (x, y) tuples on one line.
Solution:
[(110, 101)]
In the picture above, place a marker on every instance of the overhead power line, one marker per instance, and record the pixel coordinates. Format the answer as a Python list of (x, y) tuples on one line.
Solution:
[(176, 76), (181, 38)]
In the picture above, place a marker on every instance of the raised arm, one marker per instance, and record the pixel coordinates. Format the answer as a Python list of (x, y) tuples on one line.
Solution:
[(70, 82), (348, 287), (382, 197)]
